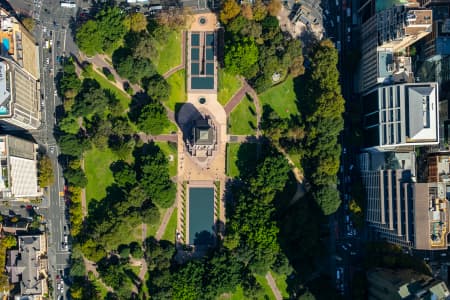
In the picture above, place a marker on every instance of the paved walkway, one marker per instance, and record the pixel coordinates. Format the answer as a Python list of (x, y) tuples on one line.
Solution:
[(183, 58), (162, 227), (90, 267), (83, 197), (100, 61), (158, 138), (246, 89), (273, 286), (242, 139)]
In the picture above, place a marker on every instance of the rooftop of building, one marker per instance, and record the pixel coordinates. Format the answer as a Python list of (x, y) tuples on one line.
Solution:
[(203, 132), (24, 264), (23, 106), (407, 284), (393, 67), (18, 44), (19, 168)]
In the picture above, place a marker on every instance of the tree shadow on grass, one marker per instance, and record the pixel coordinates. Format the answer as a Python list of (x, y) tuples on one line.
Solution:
[(98, 209)]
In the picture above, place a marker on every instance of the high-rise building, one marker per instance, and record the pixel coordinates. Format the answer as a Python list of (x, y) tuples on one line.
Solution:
[(18, 165), (19, 75), (385, 36), (401, 115), (402, 210), (387, 284)]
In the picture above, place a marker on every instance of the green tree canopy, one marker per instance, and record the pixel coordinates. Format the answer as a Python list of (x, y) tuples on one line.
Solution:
[(76, 177), (152, 118), (328, 199), (103, 34), (71, 145), (241, 56), (230, 9), (91, 100), (69, 124), (124, 174), (155, 179), (136, 22), (45, 168), (135, 69), (158, 88), (89, 39)]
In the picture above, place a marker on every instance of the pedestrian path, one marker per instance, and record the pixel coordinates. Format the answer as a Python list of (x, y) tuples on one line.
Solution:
[(273, 286), (162, 227)]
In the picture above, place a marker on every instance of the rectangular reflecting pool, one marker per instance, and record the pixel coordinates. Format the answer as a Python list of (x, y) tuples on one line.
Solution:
[(201, 215)]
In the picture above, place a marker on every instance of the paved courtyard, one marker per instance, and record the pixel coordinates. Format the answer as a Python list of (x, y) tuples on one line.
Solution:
[(201, 102)]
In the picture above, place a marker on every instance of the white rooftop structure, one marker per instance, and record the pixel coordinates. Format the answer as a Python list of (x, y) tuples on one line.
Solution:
[(18, 166), (24, 177), (402, 115)]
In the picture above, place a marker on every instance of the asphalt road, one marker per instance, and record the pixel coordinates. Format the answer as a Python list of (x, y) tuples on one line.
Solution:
[(52, 24), (345, 250)]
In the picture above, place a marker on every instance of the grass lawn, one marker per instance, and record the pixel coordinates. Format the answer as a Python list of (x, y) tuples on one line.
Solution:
[(96, 166), (106, 84), (170, 149), (101, 289), (238, 295), (263, 282), (151, 229), (228, 86), (240, 155), (281, 98), (134, 269), (169, 53), (280, 280), (177, 83), (144, 284), (243, 118), (169, 234), (171, 127)]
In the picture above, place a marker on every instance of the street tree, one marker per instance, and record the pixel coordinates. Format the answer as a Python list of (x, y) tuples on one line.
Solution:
[(45, 173), (136, 22), (230, 9)]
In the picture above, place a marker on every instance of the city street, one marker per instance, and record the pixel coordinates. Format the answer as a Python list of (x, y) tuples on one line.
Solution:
[(52, 25), (345, 241)]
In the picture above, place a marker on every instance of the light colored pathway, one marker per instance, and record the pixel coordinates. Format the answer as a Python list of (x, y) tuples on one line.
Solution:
[(83, 197), (236, 99), (162, 227), (158, 138), (276, 292), (183, 57), (100, 61), (90, 267)]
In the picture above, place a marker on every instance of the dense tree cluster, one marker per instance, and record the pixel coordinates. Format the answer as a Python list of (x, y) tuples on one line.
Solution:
[(6, 242), (132, 200), (250, 246), (323, 124), (104, 33), (45, 171), (255, 45), (313, 136)]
